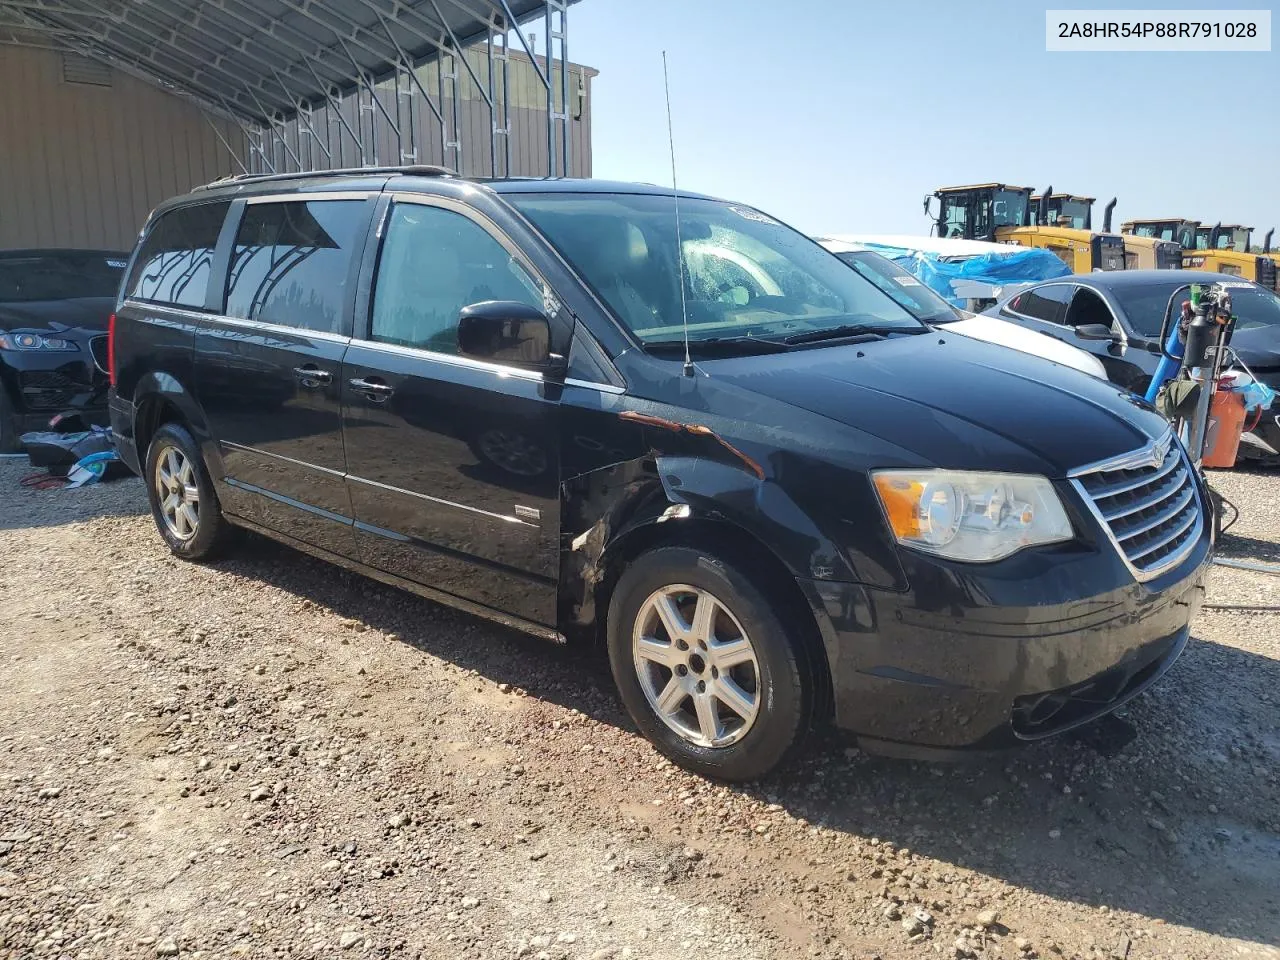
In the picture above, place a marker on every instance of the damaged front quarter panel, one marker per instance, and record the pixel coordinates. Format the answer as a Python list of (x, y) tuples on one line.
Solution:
[(655, 471)]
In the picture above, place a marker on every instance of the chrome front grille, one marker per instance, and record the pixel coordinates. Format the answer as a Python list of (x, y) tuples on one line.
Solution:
[(1149, 504)]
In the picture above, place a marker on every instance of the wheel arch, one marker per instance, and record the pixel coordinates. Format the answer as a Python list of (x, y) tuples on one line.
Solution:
[(658, 506), (161, 398)]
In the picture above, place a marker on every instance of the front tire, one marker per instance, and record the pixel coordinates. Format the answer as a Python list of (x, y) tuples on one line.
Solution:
[(706, 666), (184, 504)]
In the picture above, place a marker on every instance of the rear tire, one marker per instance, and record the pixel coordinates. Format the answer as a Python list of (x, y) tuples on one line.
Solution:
[(184, 504), (706, 665)]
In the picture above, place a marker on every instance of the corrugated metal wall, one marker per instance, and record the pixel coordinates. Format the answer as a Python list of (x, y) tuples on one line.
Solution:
[(81, 164)]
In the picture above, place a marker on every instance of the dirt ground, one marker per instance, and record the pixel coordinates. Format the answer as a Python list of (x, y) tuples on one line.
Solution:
[(269, 757)]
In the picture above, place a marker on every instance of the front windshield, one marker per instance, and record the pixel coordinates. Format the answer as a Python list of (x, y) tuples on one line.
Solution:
[(1072, 213), (1161, 231), (922, 302), (746, 275), (1145, 305), (1009, 208), (1227, 239), (59, 276)]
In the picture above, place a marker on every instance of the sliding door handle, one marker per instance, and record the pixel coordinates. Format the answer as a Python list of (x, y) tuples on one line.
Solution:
[(375, 390)]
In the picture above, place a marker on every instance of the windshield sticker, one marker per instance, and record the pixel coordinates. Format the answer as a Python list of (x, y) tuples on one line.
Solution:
[(907, 281), (117, 264), (746, 213)]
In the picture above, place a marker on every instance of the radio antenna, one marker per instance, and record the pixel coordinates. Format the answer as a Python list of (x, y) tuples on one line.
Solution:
[(675, 196)]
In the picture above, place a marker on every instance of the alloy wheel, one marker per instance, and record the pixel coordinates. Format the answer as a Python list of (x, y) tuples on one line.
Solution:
[(696, 666), (177, 493)]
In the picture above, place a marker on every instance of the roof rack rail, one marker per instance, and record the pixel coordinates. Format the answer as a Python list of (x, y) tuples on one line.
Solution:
[(415, 170)]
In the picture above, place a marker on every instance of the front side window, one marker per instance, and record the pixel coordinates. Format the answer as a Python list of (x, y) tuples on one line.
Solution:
[(292, 261), (1048, 303), (173, 265), (434, 262), (955, 215), (745, 274)]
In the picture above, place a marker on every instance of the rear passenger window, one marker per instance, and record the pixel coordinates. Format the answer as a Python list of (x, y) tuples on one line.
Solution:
[(1044, 303), (292, 262), (174, 262), (435, 262)]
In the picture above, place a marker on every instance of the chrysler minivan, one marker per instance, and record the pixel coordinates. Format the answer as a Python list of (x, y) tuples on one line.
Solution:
[(547, 403)]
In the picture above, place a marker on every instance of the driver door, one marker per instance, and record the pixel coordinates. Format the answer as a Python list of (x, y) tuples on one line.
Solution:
[(453, 463), (1128, 358)]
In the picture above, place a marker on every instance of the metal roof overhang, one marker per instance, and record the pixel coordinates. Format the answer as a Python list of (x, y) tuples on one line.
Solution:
[(259, 60)]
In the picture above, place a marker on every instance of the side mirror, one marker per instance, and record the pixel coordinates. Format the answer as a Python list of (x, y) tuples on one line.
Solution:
[(1094, 331), (506, 331)]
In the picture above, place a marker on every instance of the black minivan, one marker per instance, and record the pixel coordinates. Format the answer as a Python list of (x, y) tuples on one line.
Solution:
[(775, 496)]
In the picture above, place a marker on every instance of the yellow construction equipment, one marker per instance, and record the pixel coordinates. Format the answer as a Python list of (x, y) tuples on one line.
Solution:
[(1140, 252), (1003, 213), (1222, 248)]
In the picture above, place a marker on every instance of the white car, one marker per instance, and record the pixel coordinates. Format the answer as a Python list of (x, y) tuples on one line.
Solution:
[(927, 305)]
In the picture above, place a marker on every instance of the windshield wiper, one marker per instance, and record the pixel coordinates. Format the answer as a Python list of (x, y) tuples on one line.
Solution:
[(851, 330), (719, 346)]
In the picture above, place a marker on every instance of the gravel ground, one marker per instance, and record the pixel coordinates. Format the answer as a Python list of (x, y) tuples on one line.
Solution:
[(269, 757)]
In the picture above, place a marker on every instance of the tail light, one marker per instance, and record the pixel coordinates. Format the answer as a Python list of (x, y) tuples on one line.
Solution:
[(111, 349)]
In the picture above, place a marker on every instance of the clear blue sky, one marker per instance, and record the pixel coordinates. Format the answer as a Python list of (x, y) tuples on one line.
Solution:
[(839, 116)]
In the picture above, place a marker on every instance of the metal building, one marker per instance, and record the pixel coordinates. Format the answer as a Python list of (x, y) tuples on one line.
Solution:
[(109, 106)]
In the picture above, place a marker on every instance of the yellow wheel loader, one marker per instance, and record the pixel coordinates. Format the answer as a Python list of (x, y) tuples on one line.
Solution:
[(1227, 248), (1222, 248), (1076, 212), (1002, 213)]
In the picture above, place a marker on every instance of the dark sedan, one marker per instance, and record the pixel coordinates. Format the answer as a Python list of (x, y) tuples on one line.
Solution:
[(54, 307), (1130, 306)]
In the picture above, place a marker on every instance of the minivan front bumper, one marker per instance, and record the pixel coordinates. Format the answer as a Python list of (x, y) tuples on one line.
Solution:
[(982, 657)]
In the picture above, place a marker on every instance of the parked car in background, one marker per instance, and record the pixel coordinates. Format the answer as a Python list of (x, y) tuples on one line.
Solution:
[(925, 304), (1118, 317), (827, 511), (54, 306)]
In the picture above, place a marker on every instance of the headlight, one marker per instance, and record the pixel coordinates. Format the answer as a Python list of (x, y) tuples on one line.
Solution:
[(963, 515), (33, 341)]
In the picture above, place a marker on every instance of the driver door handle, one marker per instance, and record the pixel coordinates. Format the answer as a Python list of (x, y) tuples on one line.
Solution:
[(375, 391)]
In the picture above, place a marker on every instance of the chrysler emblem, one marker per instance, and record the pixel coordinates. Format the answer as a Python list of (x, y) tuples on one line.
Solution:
[(1161, 450)]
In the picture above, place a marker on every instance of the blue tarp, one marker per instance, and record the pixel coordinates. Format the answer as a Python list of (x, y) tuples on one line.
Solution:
[(1021, 265)]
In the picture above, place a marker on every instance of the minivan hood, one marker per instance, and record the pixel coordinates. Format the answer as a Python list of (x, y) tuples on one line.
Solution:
[(57, 316), (956, 402)]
